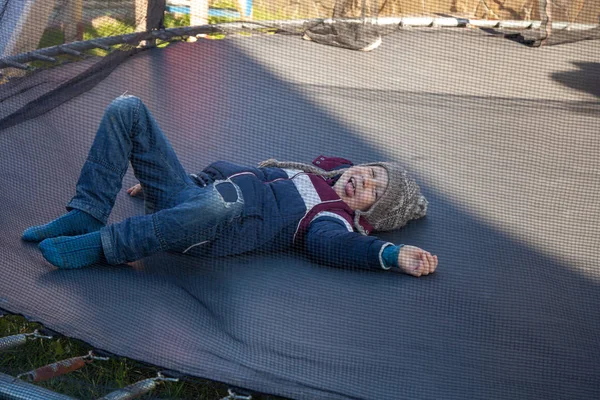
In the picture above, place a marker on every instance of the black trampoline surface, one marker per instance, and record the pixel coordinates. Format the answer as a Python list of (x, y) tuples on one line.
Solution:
[(504, 141)]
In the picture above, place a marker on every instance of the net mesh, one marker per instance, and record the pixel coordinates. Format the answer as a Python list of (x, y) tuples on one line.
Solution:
[(32, 24), (502, 137)]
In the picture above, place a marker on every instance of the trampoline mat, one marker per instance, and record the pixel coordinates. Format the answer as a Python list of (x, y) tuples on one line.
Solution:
[(508, 164)]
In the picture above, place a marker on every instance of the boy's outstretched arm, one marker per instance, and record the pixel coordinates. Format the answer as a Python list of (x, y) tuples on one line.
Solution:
[(330, 241)]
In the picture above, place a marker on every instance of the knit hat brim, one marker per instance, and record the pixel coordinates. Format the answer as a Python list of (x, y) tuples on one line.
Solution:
[(401, 202)]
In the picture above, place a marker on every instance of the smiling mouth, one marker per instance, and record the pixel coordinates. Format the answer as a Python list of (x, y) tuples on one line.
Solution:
[(351, 187)]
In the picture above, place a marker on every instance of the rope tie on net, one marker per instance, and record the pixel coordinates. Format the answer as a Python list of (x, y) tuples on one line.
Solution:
[(234, 396)]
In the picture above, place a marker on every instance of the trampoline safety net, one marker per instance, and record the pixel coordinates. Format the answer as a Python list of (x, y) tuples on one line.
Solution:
[(304, 199)]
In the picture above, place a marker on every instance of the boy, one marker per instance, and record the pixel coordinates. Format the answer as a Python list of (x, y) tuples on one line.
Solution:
[(229, 209)]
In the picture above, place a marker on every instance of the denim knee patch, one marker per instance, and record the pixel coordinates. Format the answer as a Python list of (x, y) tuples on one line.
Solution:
[(227, 192)]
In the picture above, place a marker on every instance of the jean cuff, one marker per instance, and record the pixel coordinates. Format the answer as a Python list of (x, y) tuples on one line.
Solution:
[(93, 211), (108, 248)]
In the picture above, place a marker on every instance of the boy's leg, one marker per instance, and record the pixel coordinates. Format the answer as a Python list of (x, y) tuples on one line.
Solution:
[(128, 132), (199, 219)]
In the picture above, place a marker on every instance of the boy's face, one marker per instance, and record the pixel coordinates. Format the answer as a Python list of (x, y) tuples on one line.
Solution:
[(360, 187)]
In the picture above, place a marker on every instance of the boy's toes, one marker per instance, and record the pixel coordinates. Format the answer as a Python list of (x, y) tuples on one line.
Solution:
[(31, 235), (68, 252), (51, 253)]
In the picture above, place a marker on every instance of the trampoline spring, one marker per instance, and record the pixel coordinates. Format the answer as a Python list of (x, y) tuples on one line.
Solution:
[(59, 368), (18, 340), (90, 356), (100, 45), (162, 35), (42, 57), (70, 51), (234, 396), (15, 64), (137, 389)]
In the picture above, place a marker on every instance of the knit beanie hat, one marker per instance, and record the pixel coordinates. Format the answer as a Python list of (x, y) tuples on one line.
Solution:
[(401, 202)]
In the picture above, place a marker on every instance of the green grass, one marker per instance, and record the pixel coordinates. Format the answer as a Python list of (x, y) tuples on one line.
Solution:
[(262, 14), (51, 37), (106, 30), (172, 21), (98, 378)]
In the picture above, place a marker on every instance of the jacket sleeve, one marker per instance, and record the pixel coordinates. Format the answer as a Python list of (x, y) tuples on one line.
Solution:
[(332, 241)]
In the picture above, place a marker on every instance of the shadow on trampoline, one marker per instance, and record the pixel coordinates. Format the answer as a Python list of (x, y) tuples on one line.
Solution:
[(499, 319), (496, 308), (586, 79), (449, 100)]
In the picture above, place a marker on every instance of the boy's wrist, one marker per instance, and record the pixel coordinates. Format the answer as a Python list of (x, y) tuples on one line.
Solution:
[(390, 256)]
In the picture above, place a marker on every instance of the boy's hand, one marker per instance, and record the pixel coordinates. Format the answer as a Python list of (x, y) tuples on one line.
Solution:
[(416, 262), (135, 190)]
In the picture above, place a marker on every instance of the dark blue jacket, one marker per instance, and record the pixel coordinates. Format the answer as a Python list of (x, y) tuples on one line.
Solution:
[(284, 208)]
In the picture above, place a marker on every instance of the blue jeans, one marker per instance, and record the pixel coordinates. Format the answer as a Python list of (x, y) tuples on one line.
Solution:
[(180, 214)]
